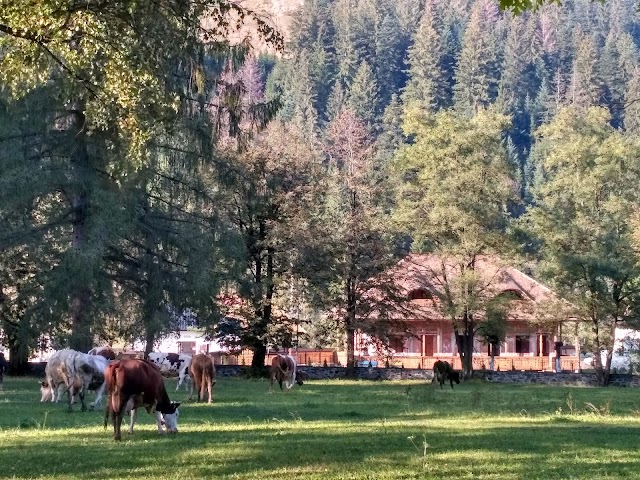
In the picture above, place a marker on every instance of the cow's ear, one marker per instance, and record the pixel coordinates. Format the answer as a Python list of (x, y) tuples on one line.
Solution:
[(175, 404), (43, 384)]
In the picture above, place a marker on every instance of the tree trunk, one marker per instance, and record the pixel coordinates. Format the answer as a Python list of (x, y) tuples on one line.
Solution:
[(81, 337), (492, 362), (150, 340), (351, 361), (259, 356), (18, 358), (464, 341)]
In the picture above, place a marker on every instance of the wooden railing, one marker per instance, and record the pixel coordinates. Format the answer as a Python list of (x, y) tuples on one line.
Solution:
[(480, 362)]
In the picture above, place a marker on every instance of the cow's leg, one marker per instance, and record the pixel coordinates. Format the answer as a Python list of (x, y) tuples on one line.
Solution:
[(82, 393), (99, 394), (209, 385), (203, 385), (134, 415), (117, 425), (159, 422)]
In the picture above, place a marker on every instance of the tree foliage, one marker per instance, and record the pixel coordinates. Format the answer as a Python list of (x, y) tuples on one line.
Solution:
[(586, 196)]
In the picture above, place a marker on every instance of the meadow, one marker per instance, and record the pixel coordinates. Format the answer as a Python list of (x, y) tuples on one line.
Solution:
[(336, 430)]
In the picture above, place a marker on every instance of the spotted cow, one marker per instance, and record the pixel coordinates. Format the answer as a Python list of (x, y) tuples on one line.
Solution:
[(203, 375), (284, 369), (131, 384), (443, 371), (172, 365), (75, 373)]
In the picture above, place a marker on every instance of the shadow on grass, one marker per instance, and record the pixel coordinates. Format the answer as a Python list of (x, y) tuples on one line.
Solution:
[(540, 450)]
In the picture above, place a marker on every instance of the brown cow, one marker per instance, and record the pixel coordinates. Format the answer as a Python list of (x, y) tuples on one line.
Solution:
[(132, 384), (106, 352), (284, 369), (443, 371), (203, 374)]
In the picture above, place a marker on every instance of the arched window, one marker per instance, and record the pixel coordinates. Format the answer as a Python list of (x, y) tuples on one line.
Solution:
[(420, 294), (511, 295)]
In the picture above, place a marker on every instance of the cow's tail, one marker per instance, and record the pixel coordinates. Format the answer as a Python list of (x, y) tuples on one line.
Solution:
[(113, 392)]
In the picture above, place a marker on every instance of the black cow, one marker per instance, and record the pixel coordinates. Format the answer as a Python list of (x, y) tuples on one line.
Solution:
[(443, 371)]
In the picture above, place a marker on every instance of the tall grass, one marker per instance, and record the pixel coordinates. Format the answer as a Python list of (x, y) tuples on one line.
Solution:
[(336, 430)]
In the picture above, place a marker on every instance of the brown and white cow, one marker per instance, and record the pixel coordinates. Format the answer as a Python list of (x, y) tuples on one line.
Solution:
[(132, 384), (203, 375), (106, 352), (172, 365), (284, 369)]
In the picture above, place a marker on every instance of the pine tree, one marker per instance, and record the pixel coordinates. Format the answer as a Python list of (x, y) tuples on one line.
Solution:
[(388, 58), (336, 101), (362, 97), (477, 69), (585, 88), (427, 85), (632, 105)]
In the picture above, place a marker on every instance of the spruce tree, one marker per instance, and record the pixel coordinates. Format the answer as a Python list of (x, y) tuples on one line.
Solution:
[(388, 58), (362, 97), (477, 70), (427, 84)]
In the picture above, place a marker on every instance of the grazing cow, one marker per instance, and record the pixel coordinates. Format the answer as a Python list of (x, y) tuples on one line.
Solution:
[(58, 377), (443, 371), (171, 365), (132, 384), (106, 352), (74, 372), (203, 374), (284, 369), (90, 369), (46, 393)]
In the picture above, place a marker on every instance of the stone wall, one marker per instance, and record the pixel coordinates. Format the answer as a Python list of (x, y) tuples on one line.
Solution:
[(363, 373)]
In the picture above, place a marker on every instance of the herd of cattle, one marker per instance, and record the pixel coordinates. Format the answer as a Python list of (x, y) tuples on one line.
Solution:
[(132, 383)]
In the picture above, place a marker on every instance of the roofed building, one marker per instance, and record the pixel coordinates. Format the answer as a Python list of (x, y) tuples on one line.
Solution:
[(430, 336)]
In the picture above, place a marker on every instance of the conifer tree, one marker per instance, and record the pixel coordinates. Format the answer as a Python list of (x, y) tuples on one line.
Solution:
[(427, 85), (477, 70), (363, 95), (388, 58), (585, 88)]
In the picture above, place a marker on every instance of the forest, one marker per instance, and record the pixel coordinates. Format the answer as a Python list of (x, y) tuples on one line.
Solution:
[(149, 168)]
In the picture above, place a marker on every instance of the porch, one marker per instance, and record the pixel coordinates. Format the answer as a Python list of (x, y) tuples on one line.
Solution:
[(480, 362)]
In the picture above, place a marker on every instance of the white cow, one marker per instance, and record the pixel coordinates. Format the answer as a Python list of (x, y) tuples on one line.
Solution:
[(57, 376), (171, 365), (75, 373)]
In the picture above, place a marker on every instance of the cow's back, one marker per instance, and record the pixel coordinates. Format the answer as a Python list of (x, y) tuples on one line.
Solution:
[(133, 377)]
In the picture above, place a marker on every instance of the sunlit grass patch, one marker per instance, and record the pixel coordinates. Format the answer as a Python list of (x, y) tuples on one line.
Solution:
[(335, 430)]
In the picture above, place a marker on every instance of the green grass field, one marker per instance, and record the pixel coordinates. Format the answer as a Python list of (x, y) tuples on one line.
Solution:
[(336, 430)]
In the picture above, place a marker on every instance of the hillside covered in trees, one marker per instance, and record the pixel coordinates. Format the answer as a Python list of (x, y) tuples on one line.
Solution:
[(381, 57), (148, 167)]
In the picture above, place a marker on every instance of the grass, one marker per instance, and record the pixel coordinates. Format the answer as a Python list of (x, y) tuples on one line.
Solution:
[(336, 430)]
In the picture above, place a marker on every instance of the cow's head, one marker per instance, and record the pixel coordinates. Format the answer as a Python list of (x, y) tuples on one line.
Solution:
[(170, 417), (455, 376), (45, 392), (300, 377)]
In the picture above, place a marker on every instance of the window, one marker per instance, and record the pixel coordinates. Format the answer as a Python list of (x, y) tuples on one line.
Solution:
[(420, 294), (522, 344), (187, 347), (511, 295)]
